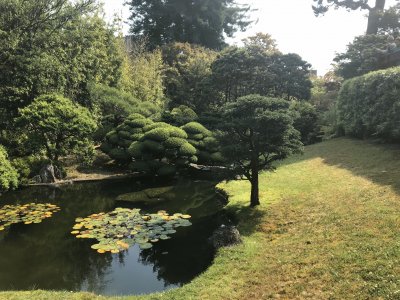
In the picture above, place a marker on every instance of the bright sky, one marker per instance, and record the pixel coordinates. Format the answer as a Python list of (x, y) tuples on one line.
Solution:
[(295, 28)]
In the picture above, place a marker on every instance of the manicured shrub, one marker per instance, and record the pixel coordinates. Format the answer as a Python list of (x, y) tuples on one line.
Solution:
[(180, 115), (8, 174), (369, 105), (120, 139), (202, 139), (161, 149)]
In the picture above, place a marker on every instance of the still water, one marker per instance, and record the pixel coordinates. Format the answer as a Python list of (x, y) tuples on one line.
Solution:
[(47, 256)]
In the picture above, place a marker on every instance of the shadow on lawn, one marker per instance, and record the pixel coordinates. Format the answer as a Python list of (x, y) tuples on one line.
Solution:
[(379, 163), (252, 217)]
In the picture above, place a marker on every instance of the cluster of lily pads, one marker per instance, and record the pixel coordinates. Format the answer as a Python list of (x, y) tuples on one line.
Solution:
[(28, 213), (121, 228)]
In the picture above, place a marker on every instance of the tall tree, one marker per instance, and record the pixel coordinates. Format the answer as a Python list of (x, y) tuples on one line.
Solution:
[(252, 70), (257, 131), (57, 126), (363, 55), (261, 41), (52, 46), (187, 72), (374, 12), (202, 22)]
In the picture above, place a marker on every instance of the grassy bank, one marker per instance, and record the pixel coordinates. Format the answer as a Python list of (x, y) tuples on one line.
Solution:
[(328, 228)]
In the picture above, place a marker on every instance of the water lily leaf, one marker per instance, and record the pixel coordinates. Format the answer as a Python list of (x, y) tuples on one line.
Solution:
[(121, 228), (32, 213), (145, 246)]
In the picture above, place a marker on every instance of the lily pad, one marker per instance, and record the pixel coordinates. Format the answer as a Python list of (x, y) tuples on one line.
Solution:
[(121, 228), (32, 213)]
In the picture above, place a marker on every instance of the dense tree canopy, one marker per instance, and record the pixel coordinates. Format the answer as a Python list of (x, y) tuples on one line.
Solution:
[(57, 126), (202, 22), (261, 41), (242, 71), (52, 46), (258, 131), (188, 68), (142, 72), (363, 55)]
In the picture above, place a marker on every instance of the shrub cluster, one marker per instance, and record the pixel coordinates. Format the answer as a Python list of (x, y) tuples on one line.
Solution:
[(305, 120), (369, 105), (205, 143), (180, 115), (161, 150), (8, 174), (118, 140)]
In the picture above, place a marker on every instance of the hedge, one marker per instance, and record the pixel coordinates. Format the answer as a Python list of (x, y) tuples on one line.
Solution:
[(369, 105)]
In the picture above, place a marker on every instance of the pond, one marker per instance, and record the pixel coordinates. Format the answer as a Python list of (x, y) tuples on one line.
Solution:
[(47, 256)]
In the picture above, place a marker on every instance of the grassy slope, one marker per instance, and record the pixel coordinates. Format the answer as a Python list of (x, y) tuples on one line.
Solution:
[(328, 228)]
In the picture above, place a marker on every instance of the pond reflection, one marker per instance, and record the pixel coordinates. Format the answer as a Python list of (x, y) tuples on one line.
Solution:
[(47, 256)]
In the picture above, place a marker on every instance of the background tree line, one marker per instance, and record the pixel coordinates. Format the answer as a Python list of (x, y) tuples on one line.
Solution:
[(156, 101)]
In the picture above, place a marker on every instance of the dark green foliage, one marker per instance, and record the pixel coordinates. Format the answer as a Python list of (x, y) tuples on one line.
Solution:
[(157, 134), (114, 106), (118, 140), (8, 174), (28, 166), (305, 118), (161, 150), (56, 126), (197, 22), (180, 115), (52, 46), (369, 105), (257, 131), (241, 71), (363, 55), (205, 143), (188, 68)]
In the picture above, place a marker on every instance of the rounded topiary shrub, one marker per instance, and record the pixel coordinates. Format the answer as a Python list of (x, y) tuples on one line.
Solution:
[(161, 150), (180, 115), (206, 145), (118, 141)]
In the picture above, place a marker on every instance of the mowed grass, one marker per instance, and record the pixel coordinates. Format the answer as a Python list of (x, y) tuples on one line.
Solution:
[(328, 228)]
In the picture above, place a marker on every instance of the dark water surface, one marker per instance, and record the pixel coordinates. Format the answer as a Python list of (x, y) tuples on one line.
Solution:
[(47, 256)]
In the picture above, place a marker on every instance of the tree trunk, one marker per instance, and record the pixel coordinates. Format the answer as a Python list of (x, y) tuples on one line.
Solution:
[(373, 17), (254, 197)]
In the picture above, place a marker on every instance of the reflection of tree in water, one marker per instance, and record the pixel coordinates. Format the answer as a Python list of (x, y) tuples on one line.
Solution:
[(197, 198), (187, 254), (46, 255)]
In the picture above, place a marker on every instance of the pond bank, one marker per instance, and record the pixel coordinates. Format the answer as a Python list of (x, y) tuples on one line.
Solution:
[(92, 177)]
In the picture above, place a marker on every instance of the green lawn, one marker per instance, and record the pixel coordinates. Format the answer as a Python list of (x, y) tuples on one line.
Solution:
[(328, 228)]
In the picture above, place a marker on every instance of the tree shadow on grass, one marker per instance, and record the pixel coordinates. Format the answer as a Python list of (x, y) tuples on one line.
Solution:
[(245, 217), (379, 163)]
